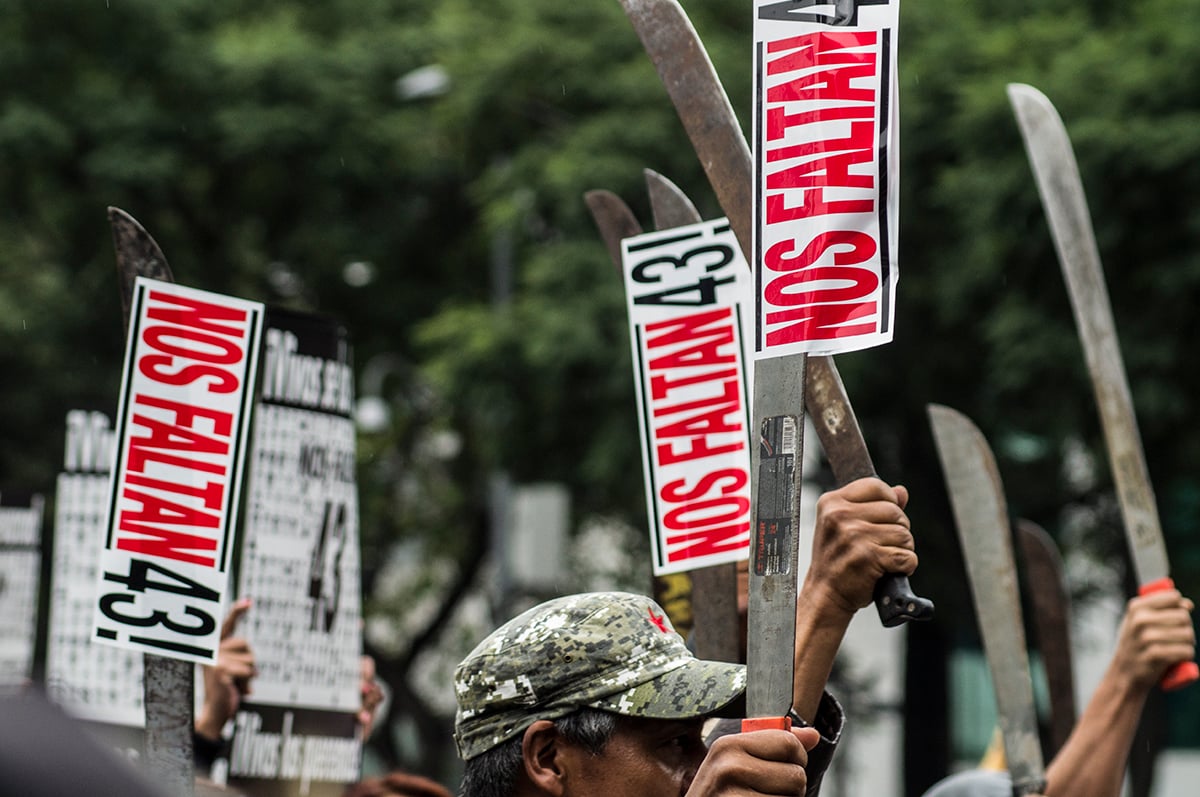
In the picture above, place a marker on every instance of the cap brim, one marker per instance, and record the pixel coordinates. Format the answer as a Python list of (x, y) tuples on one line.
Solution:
[(697, 688)]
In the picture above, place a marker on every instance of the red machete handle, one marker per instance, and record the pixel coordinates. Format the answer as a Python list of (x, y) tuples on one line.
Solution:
[(766, 724), (1181, 673)]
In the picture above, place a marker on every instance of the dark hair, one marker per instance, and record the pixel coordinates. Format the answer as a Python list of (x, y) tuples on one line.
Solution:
[(493, 773)]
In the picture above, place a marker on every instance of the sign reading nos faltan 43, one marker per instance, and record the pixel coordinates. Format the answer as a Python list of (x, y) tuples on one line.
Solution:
[(826, 173), (687, 292), (184, 416)]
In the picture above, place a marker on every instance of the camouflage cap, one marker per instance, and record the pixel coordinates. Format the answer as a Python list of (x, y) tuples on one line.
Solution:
[(608, 650)]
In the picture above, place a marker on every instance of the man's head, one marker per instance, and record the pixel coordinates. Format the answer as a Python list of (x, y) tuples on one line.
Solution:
[(611, 651), (973, 783)]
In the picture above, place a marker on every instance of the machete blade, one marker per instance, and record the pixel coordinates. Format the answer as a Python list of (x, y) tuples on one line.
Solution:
[(977, 499), (1061, 188), (708, 118), (168, 683), (775, 468), (700, 100), (670, 206), (614, 219), (1047, 591), (137, 256)]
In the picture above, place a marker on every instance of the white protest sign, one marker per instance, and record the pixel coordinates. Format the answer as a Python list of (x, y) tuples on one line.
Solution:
[(20, 566), (93, 682), (826, 172), (687, 291), (296, 732), (186, 398)]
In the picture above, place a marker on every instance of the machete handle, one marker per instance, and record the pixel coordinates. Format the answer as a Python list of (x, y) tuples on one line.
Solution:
[(1181, 673), (766, 724), (897, 603)]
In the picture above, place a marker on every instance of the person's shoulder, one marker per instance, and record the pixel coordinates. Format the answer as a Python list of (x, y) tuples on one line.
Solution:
[(973, 783)]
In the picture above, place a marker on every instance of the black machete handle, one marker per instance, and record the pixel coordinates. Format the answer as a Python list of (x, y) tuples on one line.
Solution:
[(897, 603)]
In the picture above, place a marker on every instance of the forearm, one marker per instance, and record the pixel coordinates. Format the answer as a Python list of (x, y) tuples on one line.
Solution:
[(819, 634), (208, 724), (1092, 761)]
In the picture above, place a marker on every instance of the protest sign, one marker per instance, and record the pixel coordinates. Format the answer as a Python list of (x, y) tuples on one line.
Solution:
[(687, 292), (181, 429)]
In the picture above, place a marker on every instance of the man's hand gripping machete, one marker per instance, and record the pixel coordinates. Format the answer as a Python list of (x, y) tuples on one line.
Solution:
[(1061, 189)]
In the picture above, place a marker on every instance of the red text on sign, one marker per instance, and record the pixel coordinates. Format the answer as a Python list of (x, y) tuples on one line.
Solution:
[(179, 442), (821, 144), (698, 413)]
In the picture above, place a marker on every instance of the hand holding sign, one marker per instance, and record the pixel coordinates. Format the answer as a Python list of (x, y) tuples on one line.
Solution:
[(228, 681)]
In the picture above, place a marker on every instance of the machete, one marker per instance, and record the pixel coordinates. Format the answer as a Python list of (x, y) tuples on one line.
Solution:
[(700, 100), (1044, 584), (777, 407), (977, 499), (708, 118), (715, 626), (670, 206), (1057, 175), (168, 685)]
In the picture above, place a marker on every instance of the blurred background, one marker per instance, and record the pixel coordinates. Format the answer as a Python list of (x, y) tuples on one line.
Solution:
[(416, 170)]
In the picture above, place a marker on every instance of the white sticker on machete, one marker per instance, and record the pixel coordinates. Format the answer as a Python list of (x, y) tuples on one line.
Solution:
[(776, 496)]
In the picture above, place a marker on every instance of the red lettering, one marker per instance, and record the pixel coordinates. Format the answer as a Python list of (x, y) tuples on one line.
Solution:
[(822, 48), (186, 414), (675, 492), (706, 353), (731, 393), (812, 203), (159, 510), (661, 385), (139, 456), (704, 423), (708, 542), (859, 283), (212, 495), (698, 449), (690, 329), (827, 171), (180, 438), (862, 248), (682, 330), (220, 351), (168, 544), (861, 139), (153, 367), (779, 120), (821, 322), (196, 313), (734, 505), (828, 85)]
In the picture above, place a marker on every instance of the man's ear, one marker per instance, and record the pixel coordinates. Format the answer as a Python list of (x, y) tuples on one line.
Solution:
[(541, 752)]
